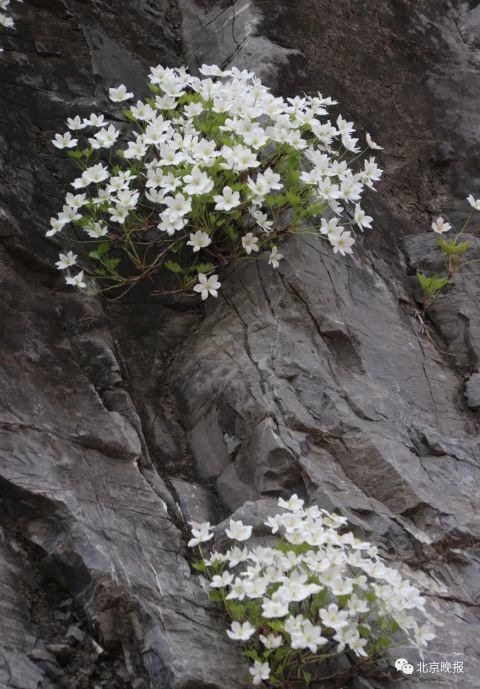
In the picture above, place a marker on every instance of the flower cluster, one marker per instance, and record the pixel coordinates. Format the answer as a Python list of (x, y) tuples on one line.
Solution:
[(207, 170), (453, 251), (318, 592)]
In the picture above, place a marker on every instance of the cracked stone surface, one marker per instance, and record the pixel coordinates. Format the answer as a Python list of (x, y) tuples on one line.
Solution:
[(121, 421)]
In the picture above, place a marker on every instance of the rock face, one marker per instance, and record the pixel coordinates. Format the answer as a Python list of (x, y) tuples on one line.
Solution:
[(121, 421)]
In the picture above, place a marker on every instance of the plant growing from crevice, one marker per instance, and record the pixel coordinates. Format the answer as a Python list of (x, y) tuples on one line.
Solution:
[(203, 172), (453, 252), (316, 593)]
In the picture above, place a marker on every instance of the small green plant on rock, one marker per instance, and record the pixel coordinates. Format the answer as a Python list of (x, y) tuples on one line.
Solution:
[(316, 593), (453, 251)]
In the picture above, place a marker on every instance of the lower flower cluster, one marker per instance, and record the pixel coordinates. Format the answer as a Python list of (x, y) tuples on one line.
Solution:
[(318, 592)]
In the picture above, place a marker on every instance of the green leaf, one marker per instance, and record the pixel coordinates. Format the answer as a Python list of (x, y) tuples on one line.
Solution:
[(431, 285), (307, 676), (451, 248), (76, 155), (173, 267), (314, 210), (215, 596), (100, 251), (204, 267), (231, 233), (154, 89), (199, 566), (129, 116), (111, 264), (236, 610), (275, 625)]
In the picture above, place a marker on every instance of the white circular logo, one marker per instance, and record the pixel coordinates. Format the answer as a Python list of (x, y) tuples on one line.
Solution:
[(402, 665)]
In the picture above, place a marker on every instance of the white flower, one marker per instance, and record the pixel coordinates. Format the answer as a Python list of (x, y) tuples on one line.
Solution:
[(210, 71), (342, 242), (328, 190), (207, 286), (361, 219), (64, 141), (75, 200), (239, 158), (96, 230), (240, 631), (197, 182), (333, 617), (371, 144), (75, 123), (423, 634), (6, 21), (260, 672), (219, 581), (215, 558), (95, 174), (237, 590), (250, 243), (201, 534), (238, 531), (236, 556), (350, 143), (262, 220), (309, 636), (119, 94), (275, 257), (94, 120), (199, 240), (104, 138), (274, 608), (66, 260), (371, 172), (178, 205), (330, 226), (142, 111), (440, 226), (76, 281), (475, 203), (271, 641), (274, 523), (350, 189), (227, 200), (56, 225), (293, 591), (69, 215), (256, 588), (293, 504)]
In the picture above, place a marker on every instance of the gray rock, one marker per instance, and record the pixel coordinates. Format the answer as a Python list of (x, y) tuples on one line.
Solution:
[(472, 392), (196, 502), (317, 378)]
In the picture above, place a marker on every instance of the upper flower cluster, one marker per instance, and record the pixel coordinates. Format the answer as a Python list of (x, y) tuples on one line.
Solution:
[(215, 166), (319, 591)]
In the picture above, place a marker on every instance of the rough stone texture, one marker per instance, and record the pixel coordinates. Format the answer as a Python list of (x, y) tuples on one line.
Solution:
[(121, 422), (472, 392)]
